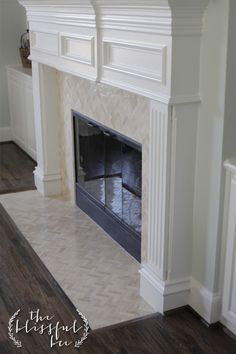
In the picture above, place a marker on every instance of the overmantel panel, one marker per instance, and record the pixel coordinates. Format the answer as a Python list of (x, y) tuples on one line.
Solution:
[(67, 48), (128, 44), (137, 63)]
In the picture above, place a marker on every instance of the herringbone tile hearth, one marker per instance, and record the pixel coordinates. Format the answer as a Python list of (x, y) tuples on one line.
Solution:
[(99, 277)]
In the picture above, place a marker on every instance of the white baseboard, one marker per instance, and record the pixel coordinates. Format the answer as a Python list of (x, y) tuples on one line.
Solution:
[(151, 289), (163, 295), (5, 134), (168, 295), (47, 185), (204, 302), (228, 324)]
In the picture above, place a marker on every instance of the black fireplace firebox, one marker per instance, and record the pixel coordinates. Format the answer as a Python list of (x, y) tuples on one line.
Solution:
[(109, 181)]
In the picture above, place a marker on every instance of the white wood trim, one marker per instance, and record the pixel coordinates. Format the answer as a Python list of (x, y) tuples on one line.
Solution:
[(130, 27), (155, 16), (204, 302), (142, 50), (20, 97), (46, 96), (230, 165), (78, 57), (229, 278), (44, 41), (163, 295), (159, 145), (47, 185), (43, 58)]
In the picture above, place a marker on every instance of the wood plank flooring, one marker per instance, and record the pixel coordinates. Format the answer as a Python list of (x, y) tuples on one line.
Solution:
[(26, 283), (16, 169), (178, 333)]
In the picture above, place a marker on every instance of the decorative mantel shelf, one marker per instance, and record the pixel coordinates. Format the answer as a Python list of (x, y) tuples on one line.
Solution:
[(135, 45), (151, 48)]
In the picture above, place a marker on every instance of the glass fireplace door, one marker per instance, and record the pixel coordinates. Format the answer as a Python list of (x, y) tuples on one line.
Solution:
[(123, 181), (113, 174), (109, 180), (90, 159), (131, 187)]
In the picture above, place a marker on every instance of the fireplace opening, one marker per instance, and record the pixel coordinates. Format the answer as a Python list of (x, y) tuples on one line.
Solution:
[(108, 169)]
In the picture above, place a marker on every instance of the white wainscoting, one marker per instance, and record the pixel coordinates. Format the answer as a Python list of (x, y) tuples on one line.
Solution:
[(21, 108), (229, 283)]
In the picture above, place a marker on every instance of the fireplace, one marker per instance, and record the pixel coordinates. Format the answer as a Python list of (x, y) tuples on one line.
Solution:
[(108, 175), (134, 67)]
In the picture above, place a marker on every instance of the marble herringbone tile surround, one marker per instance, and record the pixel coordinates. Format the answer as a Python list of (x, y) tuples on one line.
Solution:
[(117, 109), (99, 277)]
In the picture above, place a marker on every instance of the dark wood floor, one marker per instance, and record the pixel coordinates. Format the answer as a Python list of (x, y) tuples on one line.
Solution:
[(16, 169), (26, 284), (179, 333)]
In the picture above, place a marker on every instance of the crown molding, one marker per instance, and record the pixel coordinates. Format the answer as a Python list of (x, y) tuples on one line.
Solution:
[(164, 17)]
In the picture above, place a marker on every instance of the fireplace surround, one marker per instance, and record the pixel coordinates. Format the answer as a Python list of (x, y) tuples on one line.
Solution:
[(113, 56)]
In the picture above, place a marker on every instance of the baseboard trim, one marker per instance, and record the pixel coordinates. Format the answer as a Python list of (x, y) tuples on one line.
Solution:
[(151, 289), (5, 134), (167, 295), (206, 303), (48, 185), (163, 295), (229, 326)]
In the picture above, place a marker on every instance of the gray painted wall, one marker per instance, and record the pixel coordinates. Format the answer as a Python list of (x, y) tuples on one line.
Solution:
[(12, 25)]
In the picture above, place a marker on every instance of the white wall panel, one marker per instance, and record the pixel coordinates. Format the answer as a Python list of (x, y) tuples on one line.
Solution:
[(45, 42), (77, 47)]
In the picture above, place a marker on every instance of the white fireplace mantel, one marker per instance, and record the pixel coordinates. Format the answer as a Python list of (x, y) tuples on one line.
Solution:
[(150, 48), (135, 45)]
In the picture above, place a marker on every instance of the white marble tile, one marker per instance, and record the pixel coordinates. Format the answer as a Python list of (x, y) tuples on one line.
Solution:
[(101, 278), (122, 111)]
